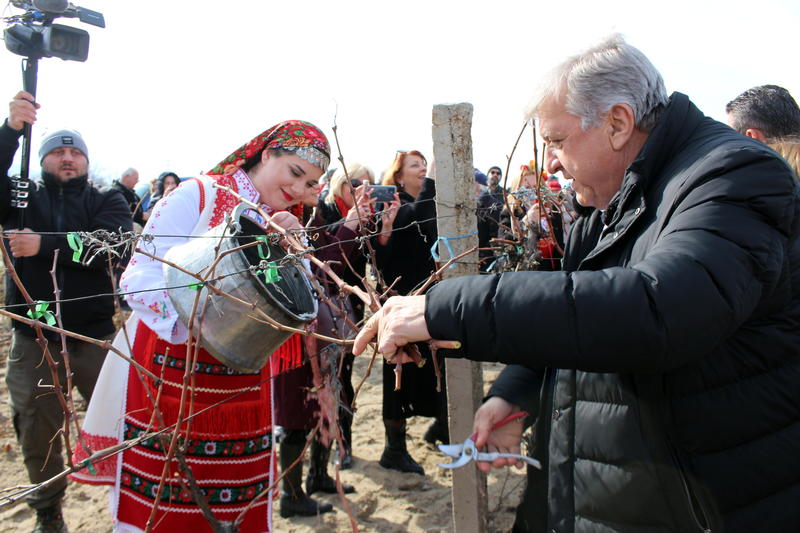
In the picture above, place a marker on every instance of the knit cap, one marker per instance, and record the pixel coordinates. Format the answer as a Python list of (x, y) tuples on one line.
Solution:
[(57, 139)]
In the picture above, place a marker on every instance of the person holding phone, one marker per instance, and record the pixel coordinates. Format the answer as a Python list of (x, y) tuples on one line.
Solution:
[(404, 261), (334, 210), (333, 232)]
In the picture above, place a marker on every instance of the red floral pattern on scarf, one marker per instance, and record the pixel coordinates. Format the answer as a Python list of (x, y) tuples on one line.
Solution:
[(291, 133)]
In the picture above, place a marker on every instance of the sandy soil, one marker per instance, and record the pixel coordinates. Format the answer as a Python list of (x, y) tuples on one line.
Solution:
[(386, 501)]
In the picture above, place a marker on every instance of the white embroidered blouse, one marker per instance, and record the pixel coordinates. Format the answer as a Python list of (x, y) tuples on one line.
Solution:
[(191, 209)]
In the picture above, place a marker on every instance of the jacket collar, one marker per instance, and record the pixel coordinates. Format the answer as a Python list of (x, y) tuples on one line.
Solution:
[(73, 184), (676, 124), (121, 186)]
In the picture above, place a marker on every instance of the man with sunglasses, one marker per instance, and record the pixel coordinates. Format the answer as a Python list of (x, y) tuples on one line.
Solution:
[(495, 175), (490, 203)]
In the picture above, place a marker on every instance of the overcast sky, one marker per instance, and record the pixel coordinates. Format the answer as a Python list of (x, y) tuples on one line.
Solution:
[(177, 85)]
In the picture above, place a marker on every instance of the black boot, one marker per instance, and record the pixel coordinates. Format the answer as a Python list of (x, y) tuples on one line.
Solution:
[(395, 455), (437, 431), (293, 500), (50, 520), (318, 478), (346, 452)]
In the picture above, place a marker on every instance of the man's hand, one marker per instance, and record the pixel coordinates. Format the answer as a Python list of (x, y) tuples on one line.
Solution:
[(24, 243), (22, 110), (504, 439), (400, 321)]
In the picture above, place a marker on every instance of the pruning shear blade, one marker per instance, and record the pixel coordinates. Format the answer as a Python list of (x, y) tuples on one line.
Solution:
[(467, 451)]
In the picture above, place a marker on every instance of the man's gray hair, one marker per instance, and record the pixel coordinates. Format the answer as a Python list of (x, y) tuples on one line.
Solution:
[(609, 73), (128, 172)]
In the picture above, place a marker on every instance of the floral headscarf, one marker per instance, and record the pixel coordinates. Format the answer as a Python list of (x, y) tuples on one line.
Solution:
[(300, 137)]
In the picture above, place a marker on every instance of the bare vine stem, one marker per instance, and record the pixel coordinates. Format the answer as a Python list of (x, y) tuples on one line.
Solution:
[(514, 224)]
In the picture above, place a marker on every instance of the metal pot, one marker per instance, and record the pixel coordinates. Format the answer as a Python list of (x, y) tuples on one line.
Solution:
[(227, 328)]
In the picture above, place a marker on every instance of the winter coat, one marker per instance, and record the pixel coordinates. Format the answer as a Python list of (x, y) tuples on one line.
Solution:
[(407, 256), (408, 253), (490, 204), (664, 363), (134, 202), (57, 207)]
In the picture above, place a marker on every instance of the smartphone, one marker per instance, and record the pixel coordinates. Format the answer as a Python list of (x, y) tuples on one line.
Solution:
[(382, 193)]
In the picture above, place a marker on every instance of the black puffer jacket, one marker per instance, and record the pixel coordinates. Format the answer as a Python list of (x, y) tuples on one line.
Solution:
[(55, 207), (664, 362)]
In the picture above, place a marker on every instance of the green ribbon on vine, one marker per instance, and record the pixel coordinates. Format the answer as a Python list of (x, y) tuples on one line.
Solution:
[(197, 286), (90, 467), (40, 311), (262, 239), (75, 242), (271, 274)]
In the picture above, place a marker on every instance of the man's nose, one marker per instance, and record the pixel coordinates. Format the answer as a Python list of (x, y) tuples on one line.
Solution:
[(551, 162)]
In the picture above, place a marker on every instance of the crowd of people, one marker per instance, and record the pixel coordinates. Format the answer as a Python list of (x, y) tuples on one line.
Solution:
[(655, 251)]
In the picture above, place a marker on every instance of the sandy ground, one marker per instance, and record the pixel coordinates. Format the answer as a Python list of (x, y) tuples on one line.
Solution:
[(386, 501)]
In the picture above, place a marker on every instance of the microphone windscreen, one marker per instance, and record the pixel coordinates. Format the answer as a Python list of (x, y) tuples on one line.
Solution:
[(51, 6)]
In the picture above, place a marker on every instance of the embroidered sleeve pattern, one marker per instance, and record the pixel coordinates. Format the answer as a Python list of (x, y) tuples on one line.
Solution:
[(172, 220)]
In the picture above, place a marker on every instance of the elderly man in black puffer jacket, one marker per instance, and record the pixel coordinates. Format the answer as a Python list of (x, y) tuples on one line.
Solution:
[(662, 366)]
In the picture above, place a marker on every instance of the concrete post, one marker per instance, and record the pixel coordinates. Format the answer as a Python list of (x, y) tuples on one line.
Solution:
[(455, 204)]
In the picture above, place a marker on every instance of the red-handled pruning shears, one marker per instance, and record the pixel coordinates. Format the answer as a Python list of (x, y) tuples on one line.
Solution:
[(466, 452)]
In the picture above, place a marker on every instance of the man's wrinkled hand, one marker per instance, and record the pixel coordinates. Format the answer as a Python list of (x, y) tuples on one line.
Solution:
[(400, 321)]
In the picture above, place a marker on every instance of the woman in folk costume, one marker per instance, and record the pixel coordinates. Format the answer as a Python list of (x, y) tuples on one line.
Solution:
[(229, 450)]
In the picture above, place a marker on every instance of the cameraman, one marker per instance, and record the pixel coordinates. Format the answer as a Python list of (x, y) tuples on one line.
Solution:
[(64, 201)]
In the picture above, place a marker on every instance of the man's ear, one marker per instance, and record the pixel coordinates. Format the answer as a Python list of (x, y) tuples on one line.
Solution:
[(756, 134), (621, 125)]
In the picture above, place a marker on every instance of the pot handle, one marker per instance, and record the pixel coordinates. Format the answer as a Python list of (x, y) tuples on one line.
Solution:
[(233, 217)]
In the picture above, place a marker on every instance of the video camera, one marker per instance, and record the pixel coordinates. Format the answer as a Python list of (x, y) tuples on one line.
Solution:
[(34, 35)]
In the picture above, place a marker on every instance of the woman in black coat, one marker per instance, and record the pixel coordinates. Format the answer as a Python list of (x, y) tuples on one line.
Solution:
[(405, 262)]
